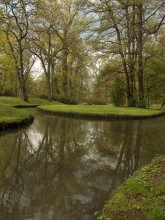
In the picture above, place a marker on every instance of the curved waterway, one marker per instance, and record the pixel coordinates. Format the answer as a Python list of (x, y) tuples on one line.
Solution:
[(64, 169)]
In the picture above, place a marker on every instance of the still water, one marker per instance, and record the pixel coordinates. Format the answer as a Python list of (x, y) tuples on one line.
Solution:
[(64, 169)]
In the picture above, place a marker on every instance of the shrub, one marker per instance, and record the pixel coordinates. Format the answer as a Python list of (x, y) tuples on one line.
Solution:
[(65, 100), (98, 102), (43, 96), (118, 92), (92, 102)]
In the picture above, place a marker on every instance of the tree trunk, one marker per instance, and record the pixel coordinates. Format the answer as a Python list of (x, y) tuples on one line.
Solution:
[(131, 61), (129, 95), (21, 77), (140, 55), (65, 65), (24, 92), (124, 63), (49, 89), (49, 69), (57, 91), (65, 72)]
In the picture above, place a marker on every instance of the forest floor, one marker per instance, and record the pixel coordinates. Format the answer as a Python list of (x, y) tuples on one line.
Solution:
[(141, 197), (101, 111)]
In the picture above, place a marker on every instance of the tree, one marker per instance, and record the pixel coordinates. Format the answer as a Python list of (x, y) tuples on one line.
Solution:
[(69, 29), (154, 79), (56, 41), (118, 92), (15, 19), (44, 41), (117, 38), (122, 28)]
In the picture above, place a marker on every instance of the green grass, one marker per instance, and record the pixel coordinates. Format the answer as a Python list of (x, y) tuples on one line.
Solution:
[(17, 101), (13, 117), (10, 114), (140, 197), (100, 110)]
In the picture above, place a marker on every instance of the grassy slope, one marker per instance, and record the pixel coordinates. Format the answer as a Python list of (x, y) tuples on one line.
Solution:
[(142, 197), (16, 101), (9, 114), (100, 110)]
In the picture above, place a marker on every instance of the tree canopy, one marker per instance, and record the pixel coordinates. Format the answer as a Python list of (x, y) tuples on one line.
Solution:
[(87, 51)]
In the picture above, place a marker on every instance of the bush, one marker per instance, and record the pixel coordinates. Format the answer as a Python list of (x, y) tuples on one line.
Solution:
[(98, 102), (42, 96), (118, 92), (92, 102), (65, 100), (7, 93)]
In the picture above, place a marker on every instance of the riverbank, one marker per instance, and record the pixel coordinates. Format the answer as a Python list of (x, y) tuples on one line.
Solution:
[(17, 102), (11, 117), (141, 197), (100, 111), (12, 114)]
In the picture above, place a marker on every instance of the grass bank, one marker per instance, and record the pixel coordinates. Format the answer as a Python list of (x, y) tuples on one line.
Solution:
[(101, 111), (18, 103), (11, 117), (142, 197), (10, 114)]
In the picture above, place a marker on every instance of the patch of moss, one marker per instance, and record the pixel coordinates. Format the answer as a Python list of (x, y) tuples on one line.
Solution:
[(141, 197)]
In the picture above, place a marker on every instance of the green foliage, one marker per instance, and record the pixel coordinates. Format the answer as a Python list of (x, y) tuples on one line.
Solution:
[(154, 72), (105, 79), (43, 96), (65, 100), (86, 73), (118, 92), (8, 77), (97, 102), (93, 101)]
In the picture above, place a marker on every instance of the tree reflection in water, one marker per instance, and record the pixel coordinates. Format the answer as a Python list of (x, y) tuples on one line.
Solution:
[(64, 169)]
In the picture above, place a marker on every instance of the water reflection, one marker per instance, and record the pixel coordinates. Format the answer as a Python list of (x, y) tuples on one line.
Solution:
[(63, 169)]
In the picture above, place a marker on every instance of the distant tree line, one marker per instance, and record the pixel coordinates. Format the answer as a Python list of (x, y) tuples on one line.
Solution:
[(127, 29), (70, 38)]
